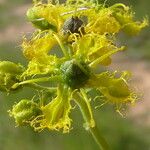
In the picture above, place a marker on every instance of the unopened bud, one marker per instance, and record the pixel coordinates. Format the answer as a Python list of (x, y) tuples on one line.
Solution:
[(24, 111)]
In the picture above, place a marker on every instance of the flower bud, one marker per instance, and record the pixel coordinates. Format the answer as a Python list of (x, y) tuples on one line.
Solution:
[(9, 75), (33, 15), (10, 67), (24, 112), (6, 81)]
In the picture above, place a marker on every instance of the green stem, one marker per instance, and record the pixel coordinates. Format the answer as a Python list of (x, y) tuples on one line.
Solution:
[(99, 139), (44, 79), (39, 87), (61, 46), (119, 5), (86, 110)]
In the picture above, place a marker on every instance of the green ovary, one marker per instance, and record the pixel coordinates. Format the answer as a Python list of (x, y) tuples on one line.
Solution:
[(34, 15), (75, 74)]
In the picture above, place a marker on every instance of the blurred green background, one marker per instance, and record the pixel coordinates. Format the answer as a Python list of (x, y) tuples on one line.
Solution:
[(130, 133)]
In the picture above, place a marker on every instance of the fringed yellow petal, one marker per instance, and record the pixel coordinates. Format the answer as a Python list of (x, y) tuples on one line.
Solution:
[(56, 113), (102, 22), (93, 47), (42, 65), (125, 17), (115, 89), (39, 45)]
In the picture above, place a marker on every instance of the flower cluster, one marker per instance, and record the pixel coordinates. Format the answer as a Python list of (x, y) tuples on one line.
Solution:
[(71, 41)]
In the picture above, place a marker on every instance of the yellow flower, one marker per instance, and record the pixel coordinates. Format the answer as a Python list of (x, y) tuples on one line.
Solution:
[(71, 43), (83, 33)]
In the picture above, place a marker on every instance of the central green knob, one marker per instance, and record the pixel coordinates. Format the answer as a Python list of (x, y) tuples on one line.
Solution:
[(75, 74)]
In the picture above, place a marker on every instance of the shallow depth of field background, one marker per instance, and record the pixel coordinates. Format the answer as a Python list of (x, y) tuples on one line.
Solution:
[(130, 133)]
